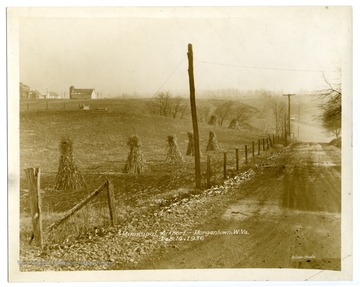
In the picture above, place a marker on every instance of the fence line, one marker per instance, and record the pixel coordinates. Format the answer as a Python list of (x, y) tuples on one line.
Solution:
[(237, 159), (77, 207), (59, 105), (225, 169), (246, 156), (266, 144), (33, 178), (208, 171), (111, 201)]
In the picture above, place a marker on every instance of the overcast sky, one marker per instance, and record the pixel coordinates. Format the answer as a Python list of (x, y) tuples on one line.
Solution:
[(118, 50)]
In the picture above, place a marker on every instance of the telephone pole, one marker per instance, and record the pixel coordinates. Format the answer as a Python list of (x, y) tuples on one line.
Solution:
[(289, 117), (194, 117), (298, 119)]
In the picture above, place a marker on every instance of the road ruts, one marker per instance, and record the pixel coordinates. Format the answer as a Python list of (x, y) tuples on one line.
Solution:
[(293, 220)]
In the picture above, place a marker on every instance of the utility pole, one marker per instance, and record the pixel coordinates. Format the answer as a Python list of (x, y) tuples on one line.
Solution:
[(298, 119), (289, 118), (194, 116), (285, 127)]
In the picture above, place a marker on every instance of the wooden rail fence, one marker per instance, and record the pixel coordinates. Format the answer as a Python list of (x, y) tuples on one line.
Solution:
[(33, 179)]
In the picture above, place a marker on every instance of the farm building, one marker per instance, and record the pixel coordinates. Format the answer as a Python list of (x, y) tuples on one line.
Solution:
[(24, 91), (82, 94), (51, 95), (34, 94), (27, 93)]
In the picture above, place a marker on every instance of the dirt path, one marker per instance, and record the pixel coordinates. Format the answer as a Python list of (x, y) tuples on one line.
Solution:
[(288, 219)]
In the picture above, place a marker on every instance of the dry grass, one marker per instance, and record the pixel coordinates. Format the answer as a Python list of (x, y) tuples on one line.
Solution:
[(100, 137), (79, 225), (100, 152)]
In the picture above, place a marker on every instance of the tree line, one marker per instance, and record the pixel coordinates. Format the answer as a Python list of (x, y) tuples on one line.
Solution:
[(271, 116), (166, 105)]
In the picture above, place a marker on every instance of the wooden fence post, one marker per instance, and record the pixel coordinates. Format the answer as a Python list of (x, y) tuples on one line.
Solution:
[(246, 160), (263, 144), (278, 141), (77, 207), (273, 142), (33, 179), (208, 171), (111, 201), (47, 105), (224, 165), (259, 147), (237, 159), (285, 128), (253, 149)]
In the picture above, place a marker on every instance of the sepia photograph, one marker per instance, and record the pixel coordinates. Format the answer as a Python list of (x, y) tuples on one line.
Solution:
[(180, 143)]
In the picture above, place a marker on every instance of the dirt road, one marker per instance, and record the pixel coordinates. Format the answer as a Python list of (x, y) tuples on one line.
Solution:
[(286, 219)]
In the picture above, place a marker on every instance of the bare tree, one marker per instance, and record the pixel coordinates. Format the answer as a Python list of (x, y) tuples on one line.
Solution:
[(177, 106), (164, 104), (331, 106), (223, 111), (278, 110), (242, 114), (160, 104), (266, 98)]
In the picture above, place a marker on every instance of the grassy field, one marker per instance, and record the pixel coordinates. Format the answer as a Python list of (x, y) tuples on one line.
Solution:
[(100, 137), (100, 150)]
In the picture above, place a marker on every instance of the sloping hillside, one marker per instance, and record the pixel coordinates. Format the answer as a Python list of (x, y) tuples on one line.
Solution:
[(100, 135)]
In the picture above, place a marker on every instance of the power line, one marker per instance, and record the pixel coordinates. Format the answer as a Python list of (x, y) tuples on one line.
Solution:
[(169, 76), (263, 68)]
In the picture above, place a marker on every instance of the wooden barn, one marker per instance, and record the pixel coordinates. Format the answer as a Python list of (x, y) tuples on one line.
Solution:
[(82, 94)]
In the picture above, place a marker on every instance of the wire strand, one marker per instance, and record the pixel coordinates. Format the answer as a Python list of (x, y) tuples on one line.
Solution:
[(263, 68), (169, 76)]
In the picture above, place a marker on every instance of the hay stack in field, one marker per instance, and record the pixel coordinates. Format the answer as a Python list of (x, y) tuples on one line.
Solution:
[(190, 148), (212, 143), (212, 121), (174, 155), (68, 176), (234, 124), (135, 162)]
